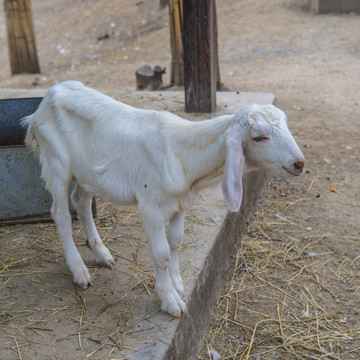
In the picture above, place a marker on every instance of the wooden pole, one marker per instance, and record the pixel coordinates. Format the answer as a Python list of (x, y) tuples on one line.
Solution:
[(200, 61), (177, 63), (218, 80), (21, 40)]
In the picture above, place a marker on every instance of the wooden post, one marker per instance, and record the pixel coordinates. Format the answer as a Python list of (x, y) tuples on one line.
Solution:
[(177, 62), (21, 40), (199, 41), (218, 80)]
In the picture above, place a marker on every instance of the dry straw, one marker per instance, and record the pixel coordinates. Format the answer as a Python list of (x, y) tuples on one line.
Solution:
[(41, 308), (290, 295)]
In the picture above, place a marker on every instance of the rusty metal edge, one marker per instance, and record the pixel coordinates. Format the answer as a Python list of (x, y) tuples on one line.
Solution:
[(43, 218)]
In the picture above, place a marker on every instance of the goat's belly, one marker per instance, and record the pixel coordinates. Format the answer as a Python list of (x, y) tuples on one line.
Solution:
[(112, 190), (115, 196), (120, 199)]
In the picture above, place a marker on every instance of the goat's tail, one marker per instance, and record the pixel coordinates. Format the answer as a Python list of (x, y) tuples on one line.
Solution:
[(30, 139)]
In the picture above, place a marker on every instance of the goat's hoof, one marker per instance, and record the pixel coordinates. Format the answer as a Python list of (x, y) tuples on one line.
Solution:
[(105, 259), (178, 313), (176, 307), (175, 314), (85, 286), (108, 262), (82, 277), (106, 265)]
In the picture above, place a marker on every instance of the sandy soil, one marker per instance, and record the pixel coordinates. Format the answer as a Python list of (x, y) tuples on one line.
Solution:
[(312, 64)]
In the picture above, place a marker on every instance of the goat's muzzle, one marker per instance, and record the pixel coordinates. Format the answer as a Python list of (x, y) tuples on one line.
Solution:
[(299, 166), (296, 169)]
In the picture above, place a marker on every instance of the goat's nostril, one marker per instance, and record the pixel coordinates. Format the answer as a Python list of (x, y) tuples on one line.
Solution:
[(299, 165)]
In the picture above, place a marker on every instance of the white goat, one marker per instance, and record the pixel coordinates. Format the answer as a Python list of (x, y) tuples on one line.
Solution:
[(155, 159)]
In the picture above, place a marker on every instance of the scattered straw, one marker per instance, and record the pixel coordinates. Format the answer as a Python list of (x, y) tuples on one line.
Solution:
[(17, 348), (41, 307), (293, 289)]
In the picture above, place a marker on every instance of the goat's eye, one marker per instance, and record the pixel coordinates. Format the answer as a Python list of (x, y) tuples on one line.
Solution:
[(260, 138)]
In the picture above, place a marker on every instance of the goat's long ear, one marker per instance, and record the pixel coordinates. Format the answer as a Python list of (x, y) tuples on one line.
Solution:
[(232, 180)]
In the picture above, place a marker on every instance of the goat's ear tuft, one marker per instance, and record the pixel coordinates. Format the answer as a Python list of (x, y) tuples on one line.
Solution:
[(232, 180)]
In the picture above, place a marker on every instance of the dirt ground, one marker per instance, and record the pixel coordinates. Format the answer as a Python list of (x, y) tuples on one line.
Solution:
[(294, 289)]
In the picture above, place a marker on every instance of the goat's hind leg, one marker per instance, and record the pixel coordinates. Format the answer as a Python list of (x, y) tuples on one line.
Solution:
[(61, 215), (82, 202), (175, 234)]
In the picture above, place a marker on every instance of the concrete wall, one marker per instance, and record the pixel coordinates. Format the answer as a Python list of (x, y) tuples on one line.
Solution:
[(326, 6), (210, 283)]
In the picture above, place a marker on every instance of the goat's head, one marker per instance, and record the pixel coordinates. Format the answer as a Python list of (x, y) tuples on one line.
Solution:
[(260, 137)]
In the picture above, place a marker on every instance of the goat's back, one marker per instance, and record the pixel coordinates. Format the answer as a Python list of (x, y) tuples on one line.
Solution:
[(94, 137)]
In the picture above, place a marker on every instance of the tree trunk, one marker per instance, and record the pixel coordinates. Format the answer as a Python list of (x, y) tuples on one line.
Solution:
[(21, 40)]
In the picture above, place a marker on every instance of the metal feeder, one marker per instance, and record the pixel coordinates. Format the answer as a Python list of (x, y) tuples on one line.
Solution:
[(23, 197)]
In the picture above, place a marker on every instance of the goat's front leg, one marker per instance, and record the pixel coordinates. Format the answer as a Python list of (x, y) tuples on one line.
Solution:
[(175, 235), (154, 225), (82, 201)]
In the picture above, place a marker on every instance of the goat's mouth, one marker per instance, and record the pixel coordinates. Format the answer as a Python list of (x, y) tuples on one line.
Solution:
[(295, 173)]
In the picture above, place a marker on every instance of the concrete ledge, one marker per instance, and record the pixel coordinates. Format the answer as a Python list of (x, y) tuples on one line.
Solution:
[(327, 6), (209, 284), (146, 332)]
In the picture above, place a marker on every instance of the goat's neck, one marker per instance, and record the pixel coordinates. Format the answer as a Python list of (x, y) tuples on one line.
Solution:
[(204, 149)]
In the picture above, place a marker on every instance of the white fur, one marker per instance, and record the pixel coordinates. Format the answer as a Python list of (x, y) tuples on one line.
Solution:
[(155, 159)]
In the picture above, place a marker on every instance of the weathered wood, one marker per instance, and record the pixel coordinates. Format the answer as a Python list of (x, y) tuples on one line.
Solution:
[(200, 64), (21, 40), (177, 56), (218, 79)]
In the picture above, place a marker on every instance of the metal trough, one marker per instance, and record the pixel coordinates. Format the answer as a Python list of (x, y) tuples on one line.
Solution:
[(23, 197)]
